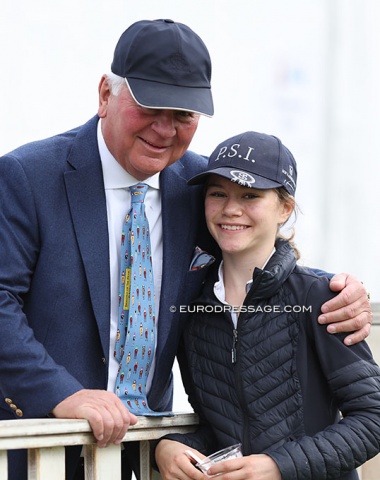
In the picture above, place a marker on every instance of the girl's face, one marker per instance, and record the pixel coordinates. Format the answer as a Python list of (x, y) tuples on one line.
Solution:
[(242, 219)]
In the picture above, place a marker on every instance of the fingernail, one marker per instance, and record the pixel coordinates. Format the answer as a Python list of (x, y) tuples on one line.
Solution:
[(322, 319), (331, 329)]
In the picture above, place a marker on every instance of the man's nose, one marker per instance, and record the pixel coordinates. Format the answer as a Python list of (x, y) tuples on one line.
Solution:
[(164, 123)]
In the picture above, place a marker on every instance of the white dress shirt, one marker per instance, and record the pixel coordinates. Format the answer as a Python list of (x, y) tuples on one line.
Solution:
[(116, 183), (220, 291)]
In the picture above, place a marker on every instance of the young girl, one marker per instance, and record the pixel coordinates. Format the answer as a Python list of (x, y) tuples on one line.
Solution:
[(258, 368)]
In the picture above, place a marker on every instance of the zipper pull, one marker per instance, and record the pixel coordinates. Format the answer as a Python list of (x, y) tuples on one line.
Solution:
[(233, 351)]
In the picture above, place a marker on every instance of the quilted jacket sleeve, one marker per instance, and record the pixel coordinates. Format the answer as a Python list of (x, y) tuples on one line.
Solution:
[(354, 380)]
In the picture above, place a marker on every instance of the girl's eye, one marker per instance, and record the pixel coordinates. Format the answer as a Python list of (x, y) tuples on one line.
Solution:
[(250, 196), (216, 194)]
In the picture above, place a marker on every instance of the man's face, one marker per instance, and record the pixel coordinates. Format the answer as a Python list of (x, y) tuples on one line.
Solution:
[(143, 140)]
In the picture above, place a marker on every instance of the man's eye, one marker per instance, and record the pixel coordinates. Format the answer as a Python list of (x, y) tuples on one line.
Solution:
[(183, 115)]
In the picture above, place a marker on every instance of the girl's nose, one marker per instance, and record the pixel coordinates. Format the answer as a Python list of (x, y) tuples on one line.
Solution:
[(231, 207)]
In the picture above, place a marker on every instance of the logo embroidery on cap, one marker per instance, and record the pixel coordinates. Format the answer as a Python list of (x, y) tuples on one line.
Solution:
[(289, 180), (242, 178), (232, 151), (178, 62)]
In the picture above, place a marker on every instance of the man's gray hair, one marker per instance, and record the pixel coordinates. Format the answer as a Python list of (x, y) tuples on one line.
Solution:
[(115, 83)]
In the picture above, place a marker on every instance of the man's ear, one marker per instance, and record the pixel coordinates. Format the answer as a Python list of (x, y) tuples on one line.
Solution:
[(104, 94)]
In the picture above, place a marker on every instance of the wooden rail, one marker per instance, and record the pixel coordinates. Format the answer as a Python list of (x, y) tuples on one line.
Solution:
[(45, 440)]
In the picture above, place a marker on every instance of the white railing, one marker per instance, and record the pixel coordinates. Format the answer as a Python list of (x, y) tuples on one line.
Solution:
[(46, 439)]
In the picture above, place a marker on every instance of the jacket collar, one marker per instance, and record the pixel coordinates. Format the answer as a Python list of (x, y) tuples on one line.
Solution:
[(265, 282)]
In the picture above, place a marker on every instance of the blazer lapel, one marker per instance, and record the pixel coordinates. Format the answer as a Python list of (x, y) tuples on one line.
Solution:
[(86, 198)]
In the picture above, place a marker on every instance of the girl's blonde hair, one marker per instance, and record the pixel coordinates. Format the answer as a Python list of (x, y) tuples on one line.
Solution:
[(285, 197)]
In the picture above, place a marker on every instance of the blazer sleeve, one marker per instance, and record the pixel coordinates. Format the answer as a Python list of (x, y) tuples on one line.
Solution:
[(29, 377)]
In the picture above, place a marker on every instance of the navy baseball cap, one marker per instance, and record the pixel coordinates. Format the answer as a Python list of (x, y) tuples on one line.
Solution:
[(254, 160), (166, 65)]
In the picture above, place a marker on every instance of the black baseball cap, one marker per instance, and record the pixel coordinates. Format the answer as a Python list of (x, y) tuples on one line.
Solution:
[(166, 65), (254, 160)]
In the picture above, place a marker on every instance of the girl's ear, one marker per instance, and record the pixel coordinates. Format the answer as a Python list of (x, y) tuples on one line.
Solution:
[(287, 209)]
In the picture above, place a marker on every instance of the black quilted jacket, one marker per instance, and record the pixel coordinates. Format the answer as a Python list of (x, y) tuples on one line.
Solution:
[(278, 383)]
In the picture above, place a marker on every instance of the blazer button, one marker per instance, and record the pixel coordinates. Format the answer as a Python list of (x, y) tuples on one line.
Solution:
[(104, 360), (8, 401), (19, 413), (13, 406)]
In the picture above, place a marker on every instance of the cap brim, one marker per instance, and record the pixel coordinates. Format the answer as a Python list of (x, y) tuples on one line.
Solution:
[(231, 173), (160, 95)]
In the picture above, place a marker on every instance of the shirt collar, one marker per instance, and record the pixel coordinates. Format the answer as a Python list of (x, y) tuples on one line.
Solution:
[(114, 175), (219, 289)]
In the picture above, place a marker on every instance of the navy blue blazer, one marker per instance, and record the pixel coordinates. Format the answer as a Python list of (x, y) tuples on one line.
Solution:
[(54, 271)]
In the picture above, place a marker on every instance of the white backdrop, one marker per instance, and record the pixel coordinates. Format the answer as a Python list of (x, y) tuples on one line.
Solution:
[(307, 71)]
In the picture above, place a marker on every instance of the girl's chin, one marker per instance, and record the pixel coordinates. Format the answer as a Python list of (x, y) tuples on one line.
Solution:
[(231, 249)]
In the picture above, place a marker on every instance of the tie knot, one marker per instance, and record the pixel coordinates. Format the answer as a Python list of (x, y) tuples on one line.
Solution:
[(138, 192)]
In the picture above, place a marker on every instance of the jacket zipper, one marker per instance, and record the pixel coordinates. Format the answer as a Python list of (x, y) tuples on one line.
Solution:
[(234, 358), (234, 342)]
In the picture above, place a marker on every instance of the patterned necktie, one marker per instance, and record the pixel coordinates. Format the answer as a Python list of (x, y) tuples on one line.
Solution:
[(135, 338)]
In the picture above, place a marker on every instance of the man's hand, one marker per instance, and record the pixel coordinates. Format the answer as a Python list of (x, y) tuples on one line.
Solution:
[(106, 413), (350, 311)]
